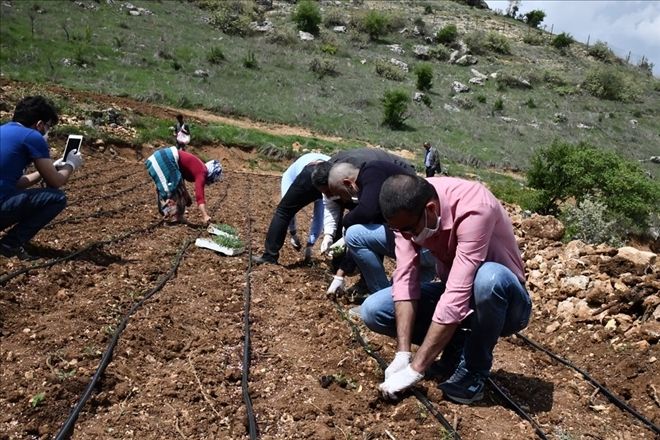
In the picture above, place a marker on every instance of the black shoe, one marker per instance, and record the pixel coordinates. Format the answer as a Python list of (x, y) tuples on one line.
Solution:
[(263, 260), (18, 252), (464, 387), (358, 292)]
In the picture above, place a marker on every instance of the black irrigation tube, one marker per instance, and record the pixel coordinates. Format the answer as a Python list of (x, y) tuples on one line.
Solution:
[(8, 276), (383, 365), (612, 398), (518, 409), (67, 429), (113, 180), (105, 196), (245, 375)]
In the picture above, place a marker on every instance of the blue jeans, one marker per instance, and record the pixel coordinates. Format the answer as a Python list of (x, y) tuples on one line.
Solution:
[(500, 304), (29, 211), (368, 245)]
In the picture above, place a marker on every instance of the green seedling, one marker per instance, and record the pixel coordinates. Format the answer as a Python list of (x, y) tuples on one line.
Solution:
[(37, 400), (228, 242), (225, 228)]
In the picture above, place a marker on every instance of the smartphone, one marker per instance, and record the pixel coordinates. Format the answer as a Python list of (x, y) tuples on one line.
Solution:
[(73, 143)]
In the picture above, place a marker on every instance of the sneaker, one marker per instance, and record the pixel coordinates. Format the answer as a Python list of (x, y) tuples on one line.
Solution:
[(464, 386), (441, 369), (295, 242), (354, 313), (263, 260), (18, 252)]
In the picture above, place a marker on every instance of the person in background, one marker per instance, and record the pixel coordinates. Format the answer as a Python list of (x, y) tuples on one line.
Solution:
[(482, 288), (170, 168), (181, 133), (23, 141), (431, 160), (288, 178)]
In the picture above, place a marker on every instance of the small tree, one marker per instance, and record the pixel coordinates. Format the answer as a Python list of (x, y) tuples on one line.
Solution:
[(562, 41), (424, 73), (395, 105), (375, 24), (534, 18), (307, 16), (447, 34)]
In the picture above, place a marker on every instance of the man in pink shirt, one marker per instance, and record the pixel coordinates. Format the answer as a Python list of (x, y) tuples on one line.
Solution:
[(481, 295)]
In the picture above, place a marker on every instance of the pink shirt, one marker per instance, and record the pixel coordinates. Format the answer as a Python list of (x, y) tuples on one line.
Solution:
[(474, 228)]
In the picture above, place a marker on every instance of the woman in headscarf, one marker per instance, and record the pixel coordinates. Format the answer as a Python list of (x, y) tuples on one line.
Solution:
[(170, 168)]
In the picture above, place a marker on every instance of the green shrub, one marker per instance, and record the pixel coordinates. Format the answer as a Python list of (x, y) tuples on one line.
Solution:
[(323, 67), (562, 41), (424, 73), (534, 18), (233, 17), (329, 48), (609, 83), (440, 52), (534, 39), (250, 61), (554, 78), (428, 9), (497, 42), (530, 103), (481, 42), (481, 98), (498, 105), (602, 52), (646, 66), (284, 36), (389, 71), (215, 55), (375, 24), (395, 106), (307, 16), (447, 34), (591, 222), (565, 171)]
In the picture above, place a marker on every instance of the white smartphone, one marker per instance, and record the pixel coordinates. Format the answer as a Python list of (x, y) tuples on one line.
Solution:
[(74, 142)]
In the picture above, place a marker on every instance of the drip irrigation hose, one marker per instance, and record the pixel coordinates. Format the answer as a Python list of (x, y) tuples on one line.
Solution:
[(245, 376), (611, 397), (8, 276), (105, 196), (113, 180), (383, 365), (521, 412), (67, 429)]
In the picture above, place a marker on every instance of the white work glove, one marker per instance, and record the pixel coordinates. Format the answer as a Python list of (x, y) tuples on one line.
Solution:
[(58, 164), (401, 361), (325, 244), (399, 381), (336, 285), (338, 248), (75, 160)]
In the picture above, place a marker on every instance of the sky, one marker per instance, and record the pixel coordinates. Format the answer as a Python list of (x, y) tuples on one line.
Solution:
[(624, 25)]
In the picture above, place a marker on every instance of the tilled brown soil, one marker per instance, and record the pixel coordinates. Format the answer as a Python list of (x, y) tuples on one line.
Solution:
[(176, 371)]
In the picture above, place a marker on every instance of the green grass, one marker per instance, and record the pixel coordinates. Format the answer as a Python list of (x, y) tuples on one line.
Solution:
[(153, 58)]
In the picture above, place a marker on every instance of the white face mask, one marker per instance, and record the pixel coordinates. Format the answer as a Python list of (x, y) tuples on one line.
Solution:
[(426, 232)]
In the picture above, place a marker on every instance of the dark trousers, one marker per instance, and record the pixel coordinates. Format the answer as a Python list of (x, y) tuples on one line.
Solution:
[(29, 211), (300, 194), (430, 171)]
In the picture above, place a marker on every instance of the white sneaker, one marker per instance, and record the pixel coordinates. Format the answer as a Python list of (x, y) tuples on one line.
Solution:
[(295, 242)]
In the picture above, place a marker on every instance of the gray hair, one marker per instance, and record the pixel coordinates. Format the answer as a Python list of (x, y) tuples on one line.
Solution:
[(341, 171)]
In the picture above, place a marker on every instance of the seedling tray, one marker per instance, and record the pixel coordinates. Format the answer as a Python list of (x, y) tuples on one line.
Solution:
[(210, 244)]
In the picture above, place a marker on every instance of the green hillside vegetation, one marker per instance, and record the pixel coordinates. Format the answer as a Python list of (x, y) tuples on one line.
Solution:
[(207, 54)]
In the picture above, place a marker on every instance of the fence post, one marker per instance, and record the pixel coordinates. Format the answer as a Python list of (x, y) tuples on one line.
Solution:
[(588, 37), (628, 58), (552, 27)]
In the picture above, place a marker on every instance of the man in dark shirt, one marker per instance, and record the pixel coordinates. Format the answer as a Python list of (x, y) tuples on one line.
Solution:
[(367, 237), (305, 190)]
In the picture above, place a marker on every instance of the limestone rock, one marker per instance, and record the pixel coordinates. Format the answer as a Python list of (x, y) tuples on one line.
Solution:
[(539, 226)]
